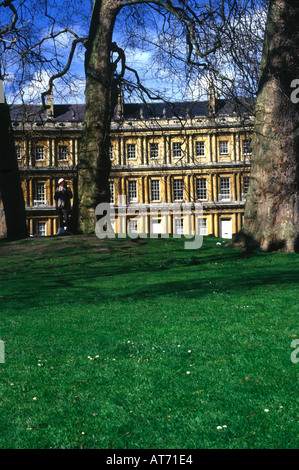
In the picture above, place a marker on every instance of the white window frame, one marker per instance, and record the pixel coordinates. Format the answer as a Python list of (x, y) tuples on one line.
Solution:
[(177, 150), (133, 226), (131, 152), (200, 148), (179, 226), (246, 180), (41, 229), (178, 189), (155, 190), (223, 147), (112, 194), (18, 152), (202, 225), (246, 147), (224, 184), (39, 153), (201, 188), (132, 191), (63, 152), (40, 192), (154, 150)]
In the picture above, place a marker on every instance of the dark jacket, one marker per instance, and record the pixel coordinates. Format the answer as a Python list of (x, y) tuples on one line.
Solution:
[(63, 198)]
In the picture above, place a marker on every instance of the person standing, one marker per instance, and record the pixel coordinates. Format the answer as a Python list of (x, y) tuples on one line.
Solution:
[(63, 196)]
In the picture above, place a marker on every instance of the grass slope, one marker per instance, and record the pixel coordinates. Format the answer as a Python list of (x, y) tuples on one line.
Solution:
[(141, 344)]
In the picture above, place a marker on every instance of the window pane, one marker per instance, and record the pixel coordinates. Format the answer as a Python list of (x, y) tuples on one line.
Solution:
[(131, 151), (245, 184), (179, 226), (223, 147), (247, 147), (224, 188), (202, 227), (18, 152), (62, 152), (154, 150), (177, 149), (178, 193), (132, 189), (41, 229), (155, 190), (133, 226), (39, 153), (200, 149), (111, 187), (245, 187), (201, 188), (40, 192)]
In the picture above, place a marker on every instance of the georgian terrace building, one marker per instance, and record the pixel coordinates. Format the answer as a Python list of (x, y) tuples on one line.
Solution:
[(182, 154)]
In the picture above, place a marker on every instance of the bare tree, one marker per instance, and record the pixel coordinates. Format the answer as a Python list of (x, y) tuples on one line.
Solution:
[(201, 29), (272, 206), (191, 38), (13, 221), (32, 37)]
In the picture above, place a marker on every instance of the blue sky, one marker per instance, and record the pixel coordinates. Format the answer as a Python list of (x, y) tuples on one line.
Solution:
[(139, 49)]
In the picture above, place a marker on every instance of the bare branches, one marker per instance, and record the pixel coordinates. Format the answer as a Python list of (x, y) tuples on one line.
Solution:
[(61, 73), (192, 39), (189, 19), (38, 42), (10, 27), (185, 39)]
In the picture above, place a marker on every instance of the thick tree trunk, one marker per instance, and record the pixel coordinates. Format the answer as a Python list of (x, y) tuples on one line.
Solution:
[(94, 161), (272, 207), (12, 207)]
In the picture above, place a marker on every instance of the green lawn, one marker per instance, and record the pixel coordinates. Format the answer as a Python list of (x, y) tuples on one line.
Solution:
[(141, 344)]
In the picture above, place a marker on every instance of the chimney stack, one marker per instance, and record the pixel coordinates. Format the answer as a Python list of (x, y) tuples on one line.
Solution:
[(119, 110), (213, 96), (50, 103)]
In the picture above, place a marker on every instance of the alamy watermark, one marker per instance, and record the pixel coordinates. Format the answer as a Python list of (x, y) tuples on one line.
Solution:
[(152, 220), (2, 352), (295, 93), (295, 353)]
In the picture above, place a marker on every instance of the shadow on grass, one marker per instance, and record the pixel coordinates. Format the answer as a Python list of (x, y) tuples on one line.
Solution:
[(125, 277)]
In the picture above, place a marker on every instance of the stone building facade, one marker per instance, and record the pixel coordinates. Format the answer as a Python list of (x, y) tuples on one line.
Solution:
[(177, 154)]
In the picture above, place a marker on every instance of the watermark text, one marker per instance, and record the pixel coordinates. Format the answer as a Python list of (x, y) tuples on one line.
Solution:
[(151, 220), (295, 93), (295, 353), (2, 352)]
